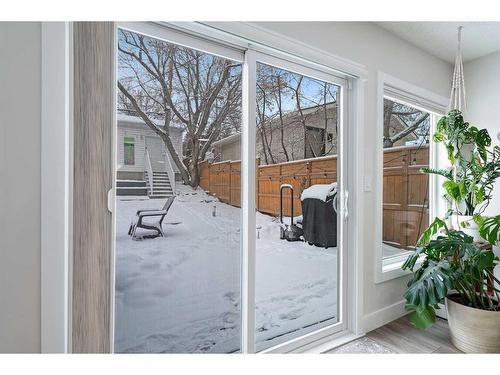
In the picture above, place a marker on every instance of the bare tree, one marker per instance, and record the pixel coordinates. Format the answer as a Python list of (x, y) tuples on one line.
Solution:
[(297, 110), (278, 93), (197, 91), (410, 120), (262, 118)]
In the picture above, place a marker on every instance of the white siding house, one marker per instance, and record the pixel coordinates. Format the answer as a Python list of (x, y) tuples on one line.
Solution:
[(133, 130), (144, 165)]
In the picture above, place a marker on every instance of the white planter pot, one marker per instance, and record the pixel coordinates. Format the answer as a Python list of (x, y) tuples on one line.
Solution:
[(471, 228), (473, 330)]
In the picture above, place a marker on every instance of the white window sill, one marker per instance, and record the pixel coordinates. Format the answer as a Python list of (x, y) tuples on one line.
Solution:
[(391, 268)]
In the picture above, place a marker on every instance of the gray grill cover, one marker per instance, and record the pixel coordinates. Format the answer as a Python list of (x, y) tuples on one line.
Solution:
[(319, 221)]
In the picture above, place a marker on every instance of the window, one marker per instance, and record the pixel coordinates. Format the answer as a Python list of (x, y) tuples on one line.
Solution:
[(297, 265), (405, 188), (407, 197), (129, 151)]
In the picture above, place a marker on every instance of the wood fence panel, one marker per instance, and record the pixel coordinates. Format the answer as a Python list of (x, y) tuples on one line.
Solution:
[(418, 191), (394, 198), (405, 202), (204, 168), (220, 179), (235, 184), (405, 205)]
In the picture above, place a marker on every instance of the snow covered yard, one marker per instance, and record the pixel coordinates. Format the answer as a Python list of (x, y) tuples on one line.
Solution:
[(181, 293)]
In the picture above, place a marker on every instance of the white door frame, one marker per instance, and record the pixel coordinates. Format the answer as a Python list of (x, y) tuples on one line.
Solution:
[(56, 202), (270, 46)]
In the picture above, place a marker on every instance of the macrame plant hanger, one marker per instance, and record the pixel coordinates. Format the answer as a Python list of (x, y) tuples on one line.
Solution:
[(457, 96)]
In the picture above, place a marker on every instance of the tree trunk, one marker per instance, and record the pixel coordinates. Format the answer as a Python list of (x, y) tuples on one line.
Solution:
[(195, 176), (282, 130)]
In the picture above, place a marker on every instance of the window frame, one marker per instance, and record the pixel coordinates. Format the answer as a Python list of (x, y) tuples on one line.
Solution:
[(389, 87)]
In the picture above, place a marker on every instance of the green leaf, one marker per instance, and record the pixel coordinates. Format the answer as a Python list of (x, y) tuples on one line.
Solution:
[(429, 284), (441, 125), (431, 231), (453, 190), (438, 137), (446, 173), (463, 189), (478, 219), (479, 195), (483, 138), (490, 229), (451, 153), (423, 319), (412, 259), (486, 260)]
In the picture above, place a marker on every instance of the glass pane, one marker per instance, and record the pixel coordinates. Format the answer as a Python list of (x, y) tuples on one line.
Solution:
[(406, 189), (177, 207), (296, 246)]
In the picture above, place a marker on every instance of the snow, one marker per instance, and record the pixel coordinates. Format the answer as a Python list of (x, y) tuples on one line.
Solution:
[(181, 293), (319, 191)]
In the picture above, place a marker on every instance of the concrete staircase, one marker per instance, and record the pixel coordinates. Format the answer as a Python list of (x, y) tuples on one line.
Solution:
[(161, 185), (131, 188)]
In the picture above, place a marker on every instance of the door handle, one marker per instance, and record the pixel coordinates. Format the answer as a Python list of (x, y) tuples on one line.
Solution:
[(111, 200), (346, 204)]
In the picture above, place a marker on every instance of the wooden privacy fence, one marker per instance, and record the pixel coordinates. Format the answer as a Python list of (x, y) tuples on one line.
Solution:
[(223, 181), (405, 206), (405, 199)]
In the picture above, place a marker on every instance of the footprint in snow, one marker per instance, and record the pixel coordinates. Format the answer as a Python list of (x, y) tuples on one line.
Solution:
[(229, 317), (292, 315)]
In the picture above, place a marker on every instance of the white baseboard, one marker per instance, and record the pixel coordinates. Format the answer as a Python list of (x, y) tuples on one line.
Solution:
[(383, 316)]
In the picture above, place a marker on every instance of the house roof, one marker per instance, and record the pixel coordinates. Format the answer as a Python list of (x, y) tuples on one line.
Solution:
[(229, 139), (137, 122)]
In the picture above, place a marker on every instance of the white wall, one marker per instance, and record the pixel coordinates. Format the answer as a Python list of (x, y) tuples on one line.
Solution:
[(20, 94), (377, 50), (482, 83)]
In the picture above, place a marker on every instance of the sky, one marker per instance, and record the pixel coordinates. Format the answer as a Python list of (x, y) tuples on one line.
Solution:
[(310, 88)]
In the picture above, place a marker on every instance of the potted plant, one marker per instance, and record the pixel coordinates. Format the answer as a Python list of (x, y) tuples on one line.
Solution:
[(474, 168), (457, 271), (450, 264)]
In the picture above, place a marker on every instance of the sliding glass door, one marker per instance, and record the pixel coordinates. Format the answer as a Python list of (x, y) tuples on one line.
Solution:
[(298, 148), (199, 266)]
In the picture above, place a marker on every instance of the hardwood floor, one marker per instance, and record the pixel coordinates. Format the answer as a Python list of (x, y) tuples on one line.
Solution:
[(401, 337)]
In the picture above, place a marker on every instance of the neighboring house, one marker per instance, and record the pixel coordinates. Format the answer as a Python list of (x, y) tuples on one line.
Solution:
[(317, 138), (136, 143)]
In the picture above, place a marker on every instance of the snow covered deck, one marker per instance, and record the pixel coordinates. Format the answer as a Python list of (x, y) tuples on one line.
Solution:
[(181, 293)]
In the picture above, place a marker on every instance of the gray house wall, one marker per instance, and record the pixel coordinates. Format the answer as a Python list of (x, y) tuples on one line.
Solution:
[(293, 137), (229, 151)]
